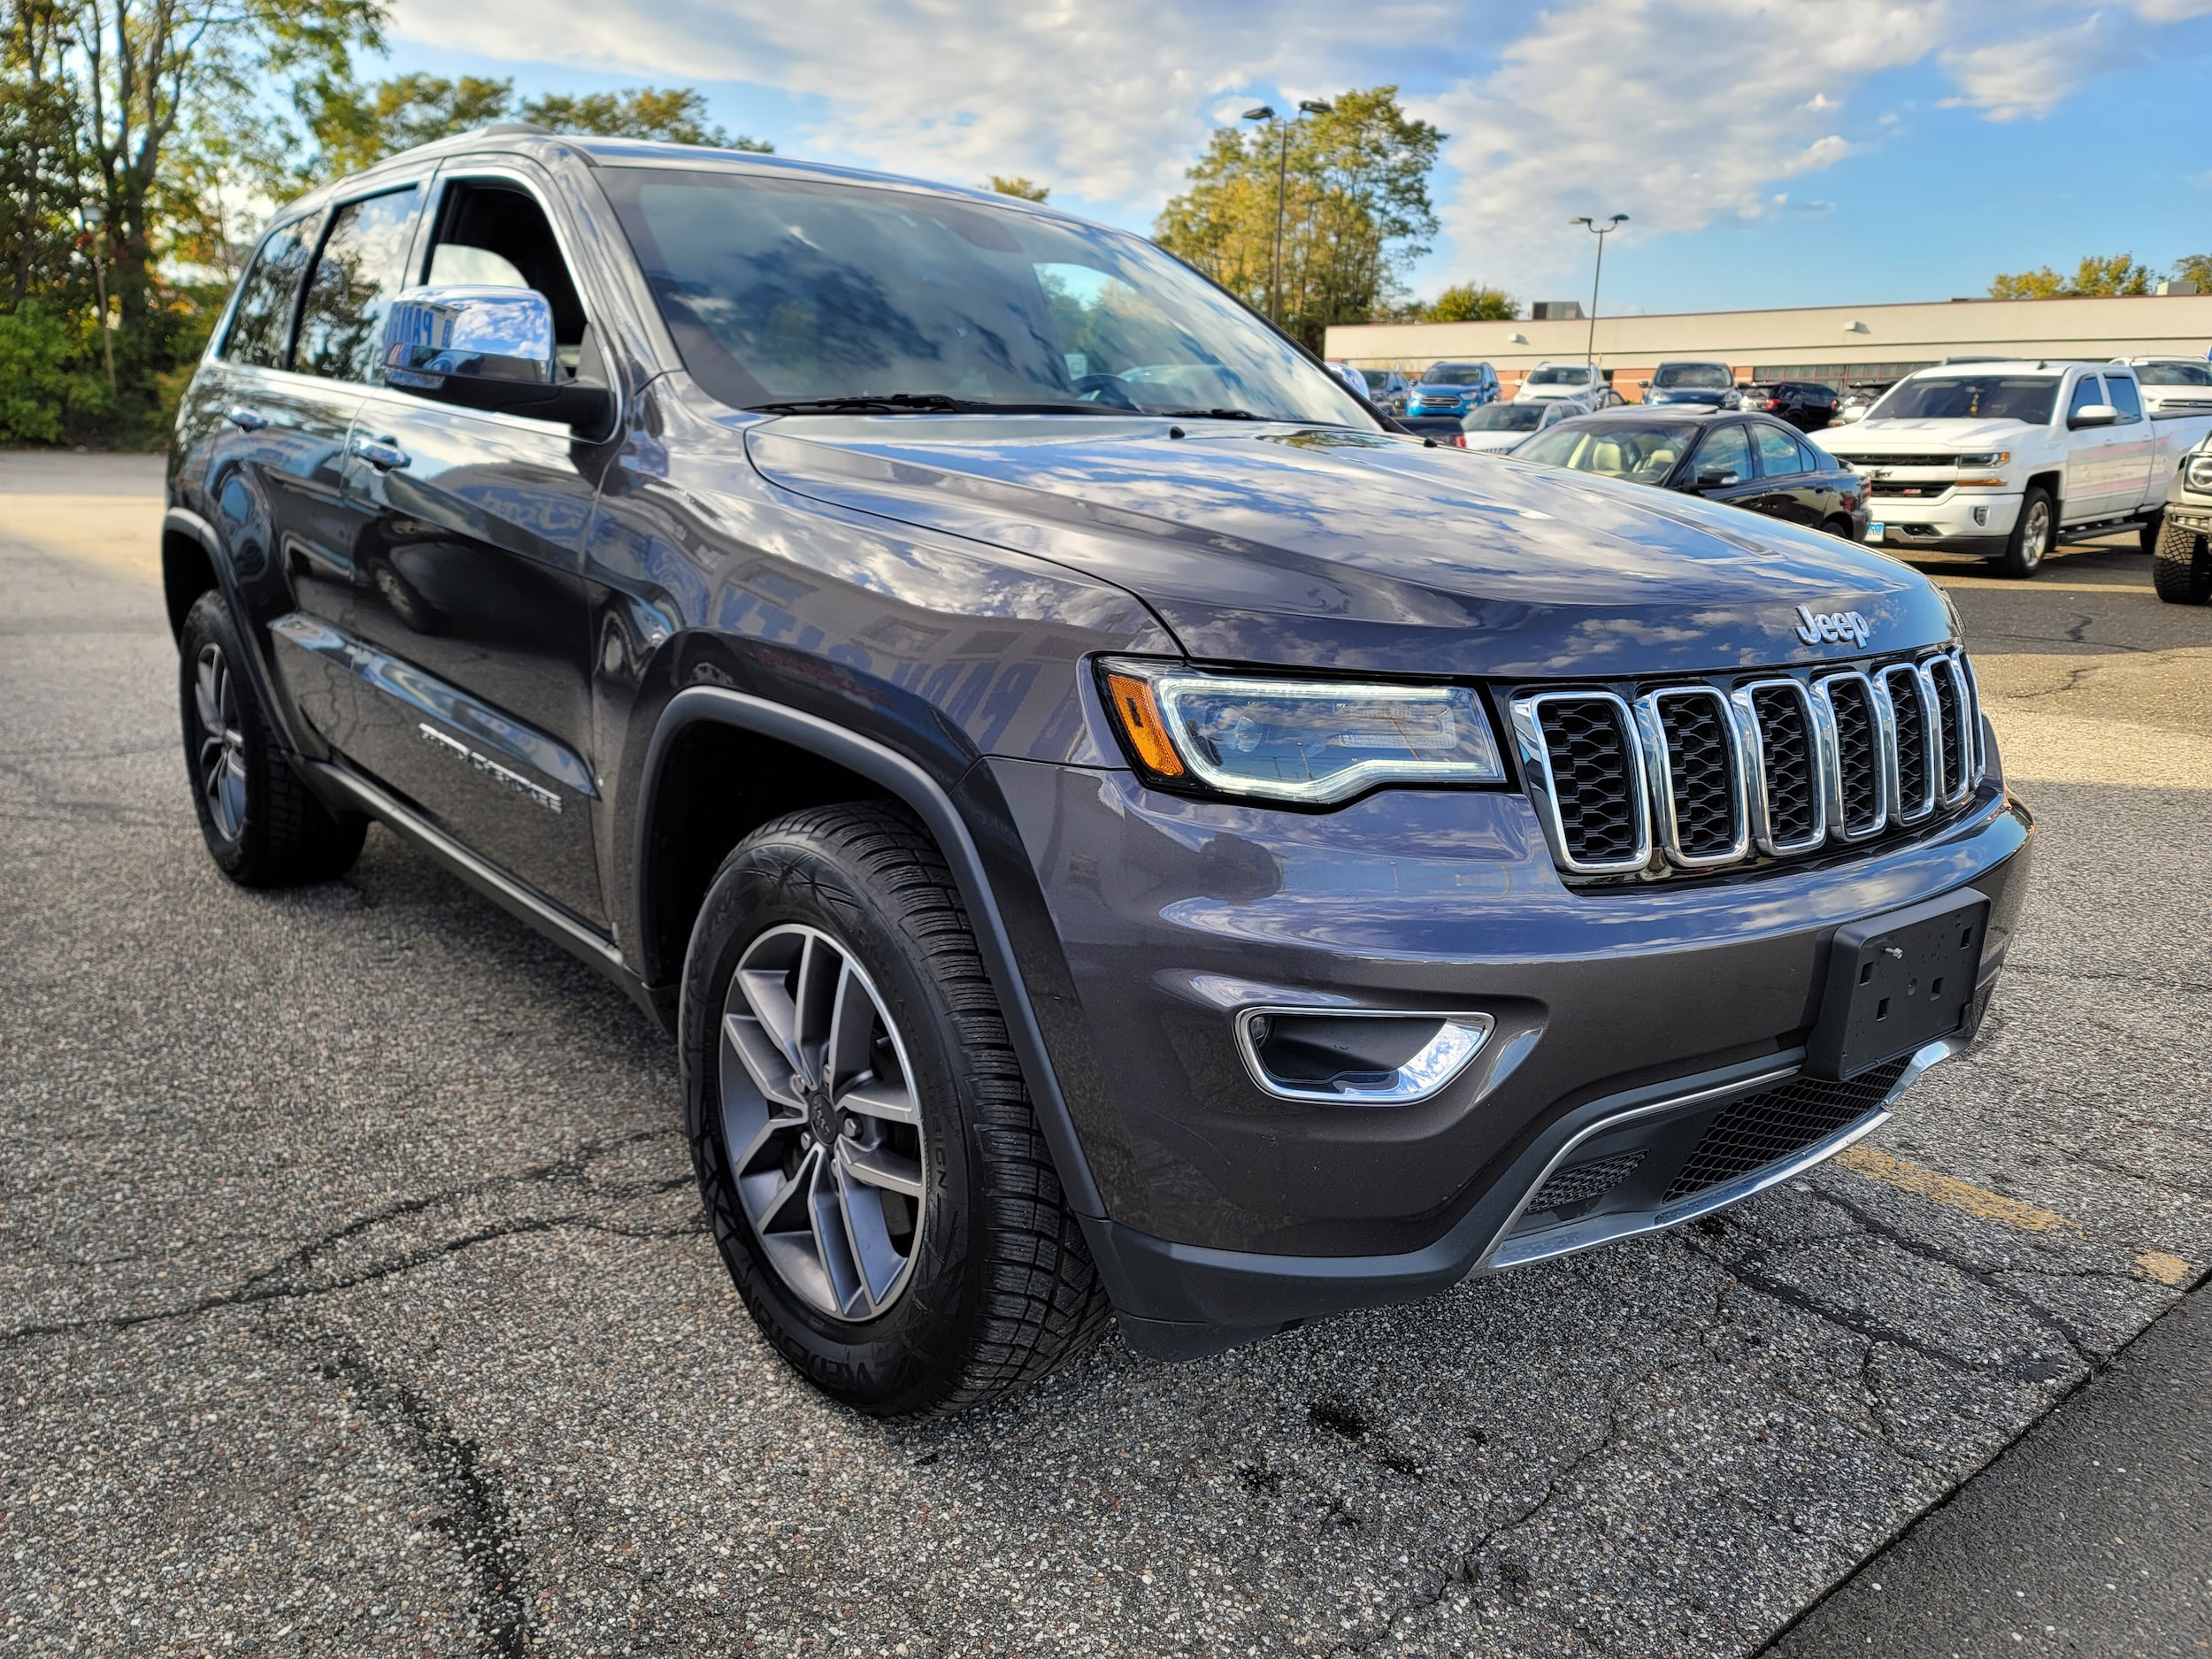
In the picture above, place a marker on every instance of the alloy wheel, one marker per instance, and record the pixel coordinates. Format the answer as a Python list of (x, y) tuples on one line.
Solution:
[(220, 753), (821, 1123), (2035, 542)]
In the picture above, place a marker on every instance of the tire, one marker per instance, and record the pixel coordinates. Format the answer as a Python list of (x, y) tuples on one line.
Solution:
[(261, 826), (1842, 527), (2181, 570), (956, 1272), (2032, 537)]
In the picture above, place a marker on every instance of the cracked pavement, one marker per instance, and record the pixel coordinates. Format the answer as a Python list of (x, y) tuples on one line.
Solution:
[(353, 1298)]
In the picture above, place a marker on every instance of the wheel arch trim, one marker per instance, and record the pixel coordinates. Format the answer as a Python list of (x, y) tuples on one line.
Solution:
[(929, 799)]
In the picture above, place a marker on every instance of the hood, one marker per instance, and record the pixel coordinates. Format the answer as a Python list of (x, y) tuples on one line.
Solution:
[(1335, 549), (1546, 393), (1492, 440), (1703, 396), (1903, 436)]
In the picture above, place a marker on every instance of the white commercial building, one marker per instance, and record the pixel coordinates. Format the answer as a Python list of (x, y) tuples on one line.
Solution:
[(1818, 342)]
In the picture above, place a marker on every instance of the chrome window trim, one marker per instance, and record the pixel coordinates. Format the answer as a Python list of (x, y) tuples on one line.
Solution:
[(1528, 737), (1924, 793), (1754, 732), (1840, 827), (1955, 791), (1651, 730)]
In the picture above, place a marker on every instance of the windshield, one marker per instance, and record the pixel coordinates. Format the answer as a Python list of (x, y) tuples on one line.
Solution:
[(2027, 397), (1378, 379), (1452, 374), (1693, 377), (1643, 455), (784, 291), (1560, 377), (1505, 418), (2173, 374)]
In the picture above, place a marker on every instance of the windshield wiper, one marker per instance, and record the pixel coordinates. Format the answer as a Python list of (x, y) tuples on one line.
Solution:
[(1208, 414), (925, 403)]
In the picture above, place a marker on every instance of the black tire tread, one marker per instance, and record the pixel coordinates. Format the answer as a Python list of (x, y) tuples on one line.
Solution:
[(2011, 562), (2181, 569), (1042, 1302)]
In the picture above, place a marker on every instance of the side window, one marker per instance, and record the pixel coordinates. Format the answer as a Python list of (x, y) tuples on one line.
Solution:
[(2121, 389), (1725, 449), (1777, 451), (261, 329), (1812, 459), (2087, 390), (362, 265), (496, 234)]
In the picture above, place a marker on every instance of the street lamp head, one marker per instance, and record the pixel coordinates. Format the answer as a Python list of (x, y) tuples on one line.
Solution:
[(1620, 219), (1317, 106), (1265, 113), (1584, 220)]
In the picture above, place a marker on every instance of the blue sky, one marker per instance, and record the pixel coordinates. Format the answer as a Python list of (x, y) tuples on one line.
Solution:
[(1769, 152)]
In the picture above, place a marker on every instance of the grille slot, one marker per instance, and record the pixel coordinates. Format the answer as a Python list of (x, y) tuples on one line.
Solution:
[(1858, 800), (1790, 786), (1916, 784), (1588, 776), (1766, 1128), (1696, 768), (1953, 712), (1586, 1181)]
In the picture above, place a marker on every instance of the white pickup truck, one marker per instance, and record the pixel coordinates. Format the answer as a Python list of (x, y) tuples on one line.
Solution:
[(1993, 460)]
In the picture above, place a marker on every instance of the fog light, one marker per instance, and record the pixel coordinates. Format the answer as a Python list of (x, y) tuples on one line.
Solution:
[(1357, 1056), (1981, 515)]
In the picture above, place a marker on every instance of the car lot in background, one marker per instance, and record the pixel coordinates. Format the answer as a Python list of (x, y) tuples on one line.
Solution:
[(1808, 405), (1502, 425), (1751, 461), (1690, 382), (1387, 389), (2174, 386), (1858, 397), (1573, 382), (1452, 388)]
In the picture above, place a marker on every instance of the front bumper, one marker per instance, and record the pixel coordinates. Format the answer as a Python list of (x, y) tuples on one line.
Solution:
[(1973, 523), (1231, 1212)]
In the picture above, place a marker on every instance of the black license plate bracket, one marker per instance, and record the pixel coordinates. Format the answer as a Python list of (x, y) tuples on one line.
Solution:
[(1897, 982)]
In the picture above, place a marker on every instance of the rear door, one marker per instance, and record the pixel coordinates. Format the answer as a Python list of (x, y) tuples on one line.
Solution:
[(2133, 445), (476, 702), (266, 444), (1787, 490)]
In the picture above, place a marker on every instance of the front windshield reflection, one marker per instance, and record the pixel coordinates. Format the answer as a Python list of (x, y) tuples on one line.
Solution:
[(792, 291)]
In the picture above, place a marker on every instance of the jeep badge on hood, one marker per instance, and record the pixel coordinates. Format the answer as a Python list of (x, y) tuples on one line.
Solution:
[(1835, 626)]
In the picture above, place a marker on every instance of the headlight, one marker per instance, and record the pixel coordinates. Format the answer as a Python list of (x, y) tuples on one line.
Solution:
[(1308, 742), (2200, 474), (1986, 458)]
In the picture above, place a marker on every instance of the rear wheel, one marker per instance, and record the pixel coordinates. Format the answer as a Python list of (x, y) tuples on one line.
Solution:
[(2181, 570), (263, 827), (1839, 526), (866, 1148), (2031, 536)]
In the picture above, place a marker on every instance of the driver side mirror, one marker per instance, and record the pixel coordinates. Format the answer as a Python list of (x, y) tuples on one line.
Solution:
[(489, 349), (2094, 415), (1717, 477)]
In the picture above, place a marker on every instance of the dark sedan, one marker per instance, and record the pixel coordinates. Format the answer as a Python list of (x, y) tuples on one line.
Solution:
[(1808, 405), (1747, 460)]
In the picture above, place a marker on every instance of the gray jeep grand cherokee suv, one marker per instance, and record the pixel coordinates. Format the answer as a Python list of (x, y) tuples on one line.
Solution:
[(1114, 827)]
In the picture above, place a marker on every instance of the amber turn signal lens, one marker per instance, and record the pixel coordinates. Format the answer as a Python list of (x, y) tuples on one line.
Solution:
[(1140, 719)]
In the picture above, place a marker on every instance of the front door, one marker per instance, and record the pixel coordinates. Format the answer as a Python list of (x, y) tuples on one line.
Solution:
[(1725, 451), (476, 695), (2134, 446), (2091, 486)]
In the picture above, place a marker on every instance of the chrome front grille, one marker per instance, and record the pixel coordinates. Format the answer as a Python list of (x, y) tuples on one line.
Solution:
[(1721, 772)]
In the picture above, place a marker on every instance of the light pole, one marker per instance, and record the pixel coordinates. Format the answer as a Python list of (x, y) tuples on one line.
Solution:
[(1602, 231), (1267, 112)]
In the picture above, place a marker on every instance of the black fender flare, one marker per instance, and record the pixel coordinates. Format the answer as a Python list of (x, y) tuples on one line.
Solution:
[(922, 793)]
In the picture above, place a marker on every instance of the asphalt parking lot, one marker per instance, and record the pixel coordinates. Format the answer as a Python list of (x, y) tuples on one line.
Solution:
[(353, 1298)]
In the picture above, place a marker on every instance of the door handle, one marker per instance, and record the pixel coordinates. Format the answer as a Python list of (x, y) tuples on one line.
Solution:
[(380, 453), (244, 418)]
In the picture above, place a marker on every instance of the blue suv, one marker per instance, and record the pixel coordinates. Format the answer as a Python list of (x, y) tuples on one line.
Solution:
[(1452, 388)]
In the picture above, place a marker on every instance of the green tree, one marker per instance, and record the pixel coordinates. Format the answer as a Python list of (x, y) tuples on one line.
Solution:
[(2097, 275), (1355, 210), (1014, 184), (2195, 267), (676, 114), (353, 126), (1471, 303)]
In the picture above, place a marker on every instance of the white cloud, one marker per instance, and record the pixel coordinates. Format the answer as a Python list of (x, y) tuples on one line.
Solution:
[(1679, 113)]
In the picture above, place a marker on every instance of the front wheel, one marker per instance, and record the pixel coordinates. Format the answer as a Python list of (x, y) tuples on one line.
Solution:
[(863, 1139), (2031, 536), (261, 827), (2181, 570)]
